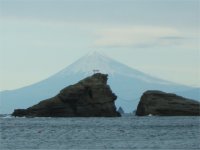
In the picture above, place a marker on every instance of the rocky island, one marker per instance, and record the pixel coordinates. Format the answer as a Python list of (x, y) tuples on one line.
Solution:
[(120, 110), (90, 97), (166, 104)]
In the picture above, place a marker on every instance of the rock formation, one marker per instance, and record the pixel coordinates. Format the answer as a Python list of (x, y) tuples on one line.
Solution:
[(166, 104), (90, 97), (120, 110)]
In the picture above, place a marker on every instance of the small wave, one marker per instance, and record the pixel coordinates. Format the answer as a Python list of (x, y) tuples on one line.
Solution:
[(6, 116)]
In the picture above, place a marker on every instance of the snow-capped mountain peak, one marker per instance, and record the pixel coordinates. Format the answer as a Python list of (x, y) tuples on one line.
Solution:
[(89, 62), (104, 64)]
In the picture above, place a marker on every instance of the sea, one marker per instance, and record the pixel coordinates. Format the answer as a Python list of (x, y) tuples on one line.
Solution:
[(122, 133)]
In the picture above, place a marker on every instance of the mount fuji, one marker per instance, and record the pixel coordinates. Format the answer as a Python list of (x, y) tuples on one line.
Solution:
[(127, 83)]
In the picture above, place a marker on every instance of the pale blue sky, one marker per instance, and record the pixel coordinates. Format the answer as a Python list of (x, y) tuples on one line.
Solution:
[(40, 37)]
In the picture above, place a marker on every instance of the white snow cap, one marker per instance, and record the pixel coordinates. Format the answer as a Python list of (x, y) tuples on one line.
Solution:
[(97, 61), (92, 61)]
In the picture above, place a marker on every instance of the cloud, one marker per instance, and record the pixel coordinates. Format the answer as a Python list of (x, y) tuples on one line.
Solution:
[(116, 36), (141, 36), (172, 38)]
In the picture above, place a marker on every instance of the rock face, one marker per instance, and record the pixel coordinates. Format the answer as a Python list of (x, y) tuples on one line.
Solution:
[(166, 104), (90, 97)]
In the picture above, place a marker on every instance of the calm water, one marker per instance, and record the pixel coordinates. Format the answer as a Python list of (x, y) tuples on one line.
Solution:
[(100, 133)]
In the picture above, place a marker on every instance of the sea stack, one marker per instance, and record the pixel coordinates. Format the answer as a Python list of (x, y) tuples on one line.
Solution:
[(90, 97), (166, 104), (120, 110)]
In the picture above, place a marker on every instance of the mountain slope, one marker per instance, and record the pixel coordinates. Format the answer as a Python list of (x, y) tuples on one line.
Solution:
[(127, 83)]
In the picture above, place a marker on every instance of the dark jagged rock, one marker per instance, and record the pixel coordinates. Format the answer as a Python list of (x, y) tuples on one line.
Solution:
[(91, 97), (120, 110), (166, 104)]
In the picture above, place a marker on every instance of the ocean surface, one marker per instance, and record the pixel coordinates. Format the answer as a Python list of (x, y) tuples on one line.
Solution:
[(121, 133)]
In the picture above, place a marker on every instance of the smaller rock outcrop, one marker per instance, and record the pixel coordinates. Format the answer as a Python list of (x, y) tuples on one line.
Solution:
[(91, 97), (166, 104), (120, 110)]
